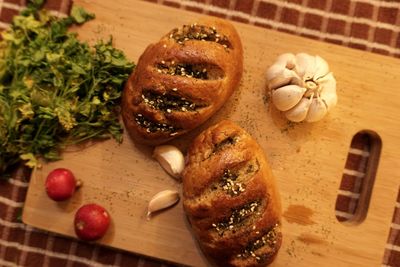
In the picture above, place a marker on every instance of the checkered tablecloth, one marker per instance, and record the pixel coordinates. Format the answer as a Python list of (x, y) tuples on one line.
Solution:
[(369, 25)]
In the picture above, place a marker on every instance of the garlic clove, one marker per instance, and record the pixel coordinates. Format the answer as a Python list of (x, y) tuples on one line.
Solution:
[(321, 68), (284, 66), (328, 93), (330, 99), (305, 65), (284, 78), (299, 112), (317, 110), (288, 60), (286, 97), (275, 70), (170, 158), (162, 200)]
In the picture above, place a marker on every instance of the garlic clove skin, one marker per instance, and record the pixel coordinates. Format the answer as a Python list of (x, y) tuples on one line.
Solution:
[(299, 112), (328, 95), (281, 79), (280, 65), (286, 97), (305, 65), (162, 200), (286, 77), (275, 70), (330, 99), (171, 159), (316, 111), (282, 71), (321, 68), (288, 60)]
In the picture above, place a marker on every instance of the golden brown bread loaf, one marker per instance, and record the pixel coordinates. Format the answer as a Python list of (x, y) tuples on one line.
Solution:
[(230, 197), (182, 80)]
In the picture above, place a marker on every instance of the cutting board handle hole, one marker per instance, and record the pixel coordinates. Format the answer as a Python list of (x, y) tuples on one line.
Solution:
[(358, 177)]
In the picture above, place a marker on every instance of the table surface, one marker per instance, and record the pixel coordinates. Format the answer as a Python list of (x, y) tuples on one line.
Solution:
[(369, 25)]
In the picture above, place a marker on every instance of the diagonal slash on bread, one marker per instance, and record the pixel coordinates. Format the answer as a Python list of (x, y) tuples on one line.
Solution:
[(230, 197), (182, 80)]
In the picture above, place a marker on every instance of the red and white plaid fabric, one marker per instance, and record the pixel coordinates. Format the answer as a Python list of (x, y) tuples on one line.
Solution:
[(369, 25)]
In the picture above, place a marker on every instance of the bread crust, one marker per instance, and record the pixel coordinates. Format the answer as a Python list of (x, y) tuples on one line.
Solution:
[(214, 211), (158, 77)]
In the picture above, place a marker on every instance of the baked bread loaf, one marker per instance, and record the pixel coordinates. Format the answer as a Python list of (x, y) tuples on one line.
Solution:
[(230, 198), (182, 80)]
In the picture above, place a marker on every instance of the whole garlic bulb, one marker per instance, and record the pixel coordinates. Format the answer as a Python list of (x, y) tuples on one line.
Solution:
[(302, 87)]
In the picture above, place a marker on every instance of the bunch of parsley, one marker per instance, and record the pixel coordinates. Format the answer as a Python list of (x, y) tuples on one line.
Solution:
[(54, 89)]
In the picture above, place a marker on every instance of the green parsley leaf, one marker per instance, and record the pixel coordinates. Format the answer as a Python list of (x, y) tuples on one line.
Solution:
[(54, 89), (80, 15)]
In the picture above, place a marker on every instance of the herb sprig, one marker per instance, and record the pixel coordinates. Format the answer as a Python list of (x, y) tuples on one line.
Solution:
[(54, 89)]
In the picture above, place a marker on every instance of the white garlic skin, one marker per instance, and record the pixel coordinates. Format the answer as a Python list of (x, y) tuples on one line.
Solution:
[(171, 159), (302, 87)]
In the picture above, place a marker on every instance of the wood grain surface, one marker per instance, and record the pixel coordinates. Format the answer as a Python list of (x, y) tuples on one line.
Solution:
[(307, 159)]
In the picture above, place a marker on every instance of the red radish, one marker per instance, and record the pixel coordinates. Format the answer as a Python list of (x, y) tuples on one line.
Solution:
[(60, 184), (91, 222)]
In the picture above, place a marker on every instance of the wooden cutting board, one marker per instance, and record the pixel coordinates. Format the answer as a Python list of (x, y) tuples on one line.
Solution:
[(307, 159)]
